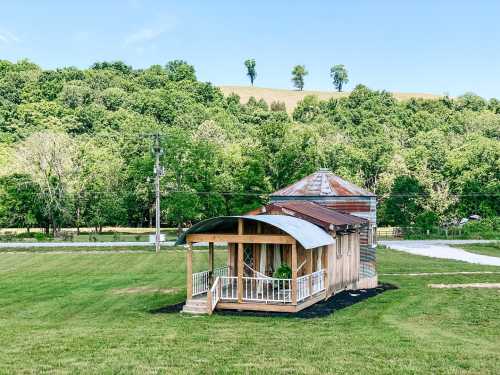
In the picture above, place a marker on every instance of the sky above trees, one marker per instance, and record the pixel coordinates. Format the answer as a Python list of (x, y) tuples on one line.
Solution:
[(426, 46)]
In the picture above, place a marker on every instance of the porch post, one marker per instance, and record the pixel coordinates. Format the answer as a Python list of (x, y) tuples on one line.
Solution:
[(211, 262), (189, 271), (240, 263), (309, 268), (294, 273), (326, 258)]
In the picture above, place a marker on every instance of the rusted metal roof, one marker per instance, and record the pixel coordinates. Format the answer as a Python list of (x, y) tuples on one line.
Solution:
[(307, 234), (322, 183), (315, 213)]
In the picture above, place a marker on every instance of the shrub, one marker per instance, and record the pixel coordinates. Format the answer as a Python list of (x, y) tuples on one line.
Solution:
[(283, 272)]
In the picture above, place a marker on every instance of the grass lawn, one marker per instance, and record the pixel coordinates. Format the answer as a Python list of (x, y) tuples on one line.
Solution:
[(492, 249), (70, 313)]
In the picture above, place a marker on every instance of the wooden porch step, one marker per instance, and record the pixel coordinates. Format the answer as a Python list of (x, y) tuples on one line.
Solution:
[(196, 306)]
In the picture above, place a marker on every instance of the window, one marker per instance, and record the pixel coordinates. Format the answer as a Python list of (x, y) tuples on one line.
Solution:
[(248, 256)]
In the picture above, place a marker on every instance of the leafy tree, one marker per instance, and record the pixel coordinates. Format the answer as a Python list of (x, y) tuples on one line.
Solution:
[(48, 159), (19, 205), (404, 204), (339, 76), (180, 70), (251, 71), (298, 74)]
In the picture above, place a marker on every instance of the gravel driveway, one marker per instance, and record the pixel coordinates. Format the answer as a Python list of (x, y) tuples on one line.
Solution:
[(440, 249)]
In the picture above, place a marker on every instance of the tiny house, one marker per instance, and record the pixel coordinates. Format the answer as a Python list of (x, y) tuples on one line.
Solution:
[(284, 257)]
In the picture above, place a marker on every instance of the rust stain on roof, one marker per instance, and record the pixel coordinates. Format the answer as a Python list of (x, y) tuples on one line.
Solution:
[(322, 183)]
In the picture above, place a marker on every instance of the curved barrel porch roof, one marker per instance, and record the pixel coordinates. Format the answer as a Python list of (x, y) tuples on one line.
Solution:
[(304, 232)]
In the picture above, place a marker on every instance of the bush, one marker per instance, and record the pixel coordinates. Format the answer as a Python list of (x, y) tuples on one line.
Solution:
[(283, 272), (42, 237), (427, 220), (488, 228)]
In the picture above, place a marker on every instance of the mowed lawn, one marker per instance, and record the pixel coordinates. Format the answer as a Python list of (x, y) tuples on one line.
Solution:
[(491, 249), (76, 313)]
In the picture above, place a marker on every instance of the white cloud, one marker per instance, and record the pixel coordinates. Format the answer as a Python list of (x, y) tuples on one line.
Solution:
[(143, 36), (7, 37)]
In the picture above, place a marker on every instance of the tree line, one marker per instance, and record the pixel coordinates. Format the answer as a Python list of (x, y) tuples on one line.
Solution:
[(76, 148), (338, 74)]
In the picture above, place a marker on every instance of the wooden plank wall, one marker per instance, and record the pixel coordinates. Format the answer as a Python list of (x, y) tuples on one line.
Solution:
[(346, 258)]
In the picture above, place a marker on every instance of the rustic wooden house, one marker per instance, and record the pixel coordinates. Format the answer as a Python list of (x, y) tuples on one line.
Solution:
[(320, 245), (333, 192)]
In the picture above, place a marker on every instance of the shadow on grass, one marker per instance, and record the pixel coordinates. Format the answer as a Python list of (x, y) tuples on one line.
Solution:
[(321, 309)]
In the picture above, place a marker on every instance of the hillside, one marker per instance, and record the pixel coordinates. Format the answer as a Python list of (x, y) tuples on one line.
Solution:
[(292, 97)]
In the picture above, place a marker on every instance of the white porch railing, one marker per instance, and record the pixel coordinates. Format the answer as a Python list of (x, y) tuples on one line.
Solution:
[(267, 290), (260, 289), (221, 271), (228, 287), (201, 279), (215, 293), (318, 281), (200, 283), (309, 285), (303, 290)]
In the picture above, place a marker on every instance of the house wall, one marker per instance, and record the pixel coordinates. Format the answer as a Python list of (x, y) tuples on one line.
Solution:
[(346, 259), (364, 207)]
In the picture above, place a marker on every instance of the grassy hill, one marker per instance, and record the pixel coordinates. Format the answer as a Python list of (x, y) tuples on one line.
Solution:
[(292, 97)]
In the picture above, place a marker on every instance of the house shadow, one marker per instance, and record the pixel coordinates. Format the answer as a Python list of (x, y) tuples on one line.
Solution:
[(318, 310)]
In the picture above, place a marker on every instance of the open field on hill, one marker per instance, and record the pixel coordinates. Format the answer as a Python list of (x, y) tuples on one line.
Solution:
[(292, 97), (84, 313)]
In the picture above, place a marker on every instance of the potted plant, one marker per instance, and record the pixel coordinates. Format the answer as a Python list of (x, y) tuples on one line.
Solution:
[(283, 272)]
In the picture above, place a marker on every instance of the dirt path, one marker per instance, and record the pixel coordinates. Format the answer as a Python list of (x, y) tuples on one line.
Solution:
[(440, 249), (441, 273)]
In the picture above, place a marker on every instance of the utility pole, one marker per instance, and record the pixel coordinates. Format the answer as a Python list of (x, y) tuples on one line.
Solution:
[(159, 171)]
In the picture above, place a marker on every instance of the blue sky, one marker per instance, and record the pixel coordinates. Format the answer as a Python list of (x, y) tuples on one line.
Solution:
[(420, 46)]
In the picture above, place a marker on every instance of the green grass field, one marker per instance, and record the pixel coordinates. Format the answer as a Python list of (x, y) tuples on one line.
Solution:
[(492, 249), (76, 313)]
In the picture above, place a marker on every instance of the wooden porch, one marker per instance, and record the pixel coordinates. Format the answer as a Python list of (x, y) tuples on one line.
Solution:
[(247, 282)]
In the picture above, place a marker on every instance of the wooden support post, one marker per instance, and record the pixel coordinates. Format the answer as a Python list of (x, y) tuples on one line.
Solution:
[(240, 263), (230, 263), (210, 263), (309, 267), (327, 252), (189, 271), (294, 274)]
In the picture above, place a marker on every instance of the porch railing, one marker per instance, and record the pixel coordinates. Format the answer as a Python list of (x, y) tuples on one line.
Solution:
[(228, 287), (221, 271), (318, 281), (267, 290), (309, 285), (215, 294), (201, 280), (258, 289), (200, 283), (303, 288)]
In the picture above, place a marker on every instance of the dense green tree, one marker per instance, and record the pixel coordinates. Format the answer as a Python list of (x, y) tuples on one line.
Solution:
[(298, 74), (339, 76), (75, 148), (404, 204), (251, 70), (180, 70)]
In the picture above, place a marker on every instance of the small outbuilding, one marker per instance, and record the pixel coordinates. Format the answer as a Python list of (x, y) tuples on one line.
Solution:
[(283, 257)]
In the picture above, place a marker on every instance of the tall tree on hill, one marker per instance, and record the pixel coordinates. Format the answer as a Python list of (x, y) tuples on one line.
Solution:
[(298, 74), (339, 76), (251, 71)]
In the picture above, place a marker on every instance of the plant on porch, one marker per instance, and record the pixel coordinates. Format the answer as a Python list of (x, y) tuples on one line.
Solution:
[(283, 272)]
